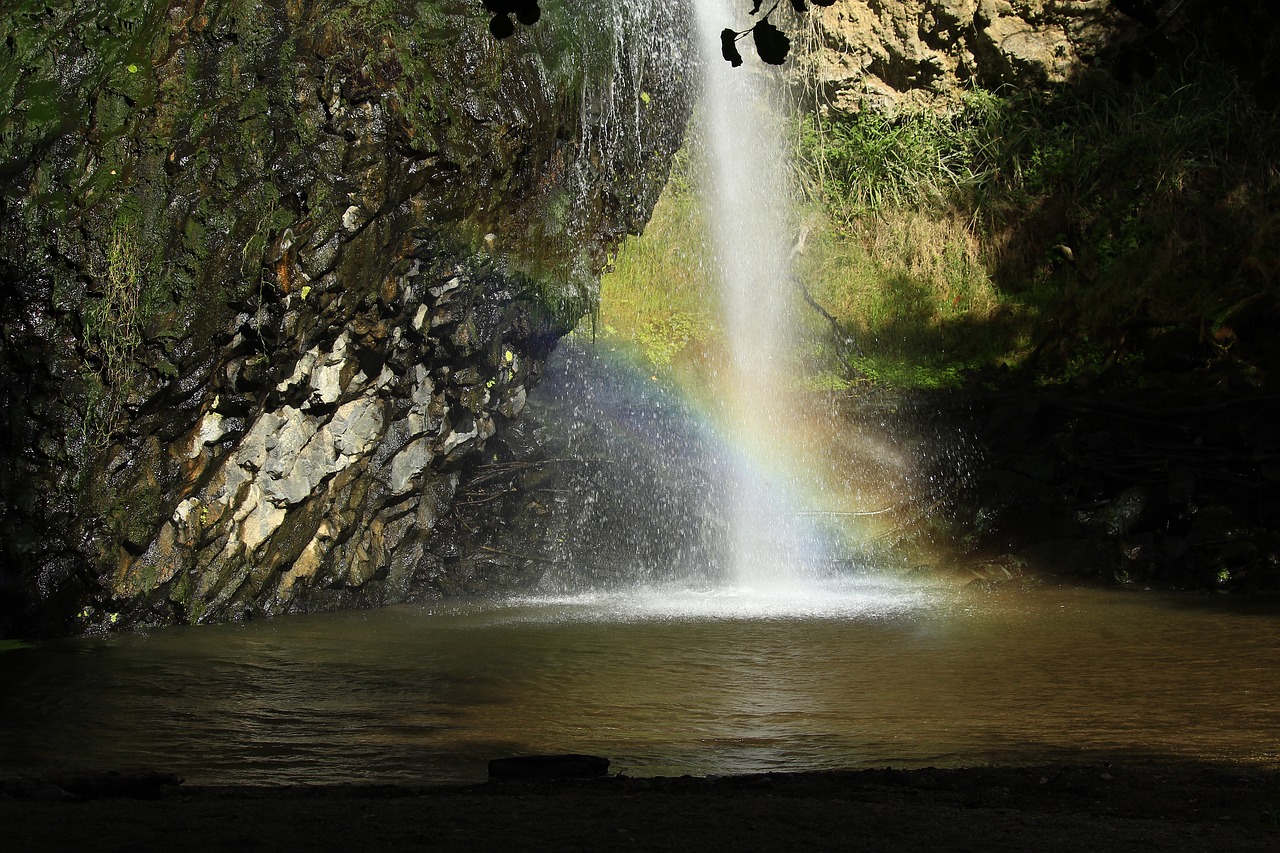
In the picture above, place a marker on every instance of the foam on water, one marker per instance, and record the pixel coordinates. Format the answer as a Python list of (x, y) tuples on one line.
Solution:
[(860, 598)]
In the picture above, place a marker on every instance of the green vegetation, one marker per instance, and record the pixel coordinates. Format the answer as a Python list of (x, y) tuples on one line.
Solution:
[(870, 163), (1089, 218), (38, 99), (1045, 236), (112, 325), (659, 292), (912, 289)]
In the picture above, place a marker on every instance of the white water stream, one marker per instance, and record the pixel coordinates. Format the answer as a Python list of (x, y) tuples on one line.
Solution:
[(746, 205)]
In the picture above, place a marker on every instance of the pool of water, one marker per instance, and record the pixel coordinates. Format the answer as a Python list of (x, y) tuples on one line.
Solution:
[(663, 683)]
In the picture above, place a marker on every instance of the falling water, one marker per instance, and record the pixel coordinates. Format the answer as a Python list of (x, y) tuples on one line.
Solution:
[(709, 502), (746, 206)]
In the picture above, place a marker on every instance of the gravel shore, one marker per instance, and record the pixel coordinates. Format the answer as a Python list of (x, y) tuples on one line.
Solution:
[(1058, 807)]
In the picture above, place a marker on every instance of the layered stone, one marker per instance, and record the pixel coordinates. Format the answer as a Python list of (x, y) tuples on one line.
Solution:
[(277, 272)]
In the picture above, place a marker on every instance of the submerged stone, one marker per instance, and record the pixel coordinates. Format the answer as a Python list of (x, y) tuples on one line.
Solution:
[(549, 767)]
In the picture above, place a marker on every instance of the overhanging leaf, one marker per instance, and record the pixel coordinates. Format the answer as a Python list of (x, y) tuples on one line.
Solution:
[(771, 43), (502, 26), (729, 47), (528, 12)]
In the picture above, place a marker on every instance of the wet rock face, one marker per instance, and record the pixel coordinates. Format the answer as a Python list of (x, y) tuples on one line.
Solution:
[(274, 274)]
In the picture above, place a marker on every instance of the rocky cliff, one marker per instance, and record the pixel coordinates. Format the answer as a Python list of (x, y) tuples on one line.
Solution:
[(274, 273), (886, 53)]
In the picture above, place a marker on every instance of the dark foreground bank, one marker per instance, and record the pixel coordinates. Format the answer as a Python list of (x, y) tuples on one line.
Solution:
[(1046, 808)]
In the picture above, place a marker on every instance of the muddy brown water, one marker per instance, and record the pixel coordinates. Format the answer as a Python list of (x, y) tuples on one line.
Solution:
[(696, 682)]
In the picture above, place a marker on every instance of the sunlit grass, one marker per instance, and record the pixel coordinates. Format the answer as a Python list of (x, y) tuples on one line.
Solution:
[(908, 291), (873, 162), (659, 293), (948, 245)]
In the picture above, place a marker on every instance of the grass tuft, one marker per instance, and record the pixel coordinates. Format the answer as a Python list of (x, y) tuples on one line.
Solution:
[(1048, 233)]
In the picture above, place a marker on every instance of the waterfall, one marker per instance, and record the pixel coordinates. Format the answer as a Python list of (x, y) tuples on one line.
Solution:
[(714, 486), (746, 204)]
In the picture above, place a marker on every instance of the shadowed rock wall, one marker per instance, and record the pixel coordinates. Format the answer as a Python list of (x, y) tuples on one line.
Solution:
[(273, 274)]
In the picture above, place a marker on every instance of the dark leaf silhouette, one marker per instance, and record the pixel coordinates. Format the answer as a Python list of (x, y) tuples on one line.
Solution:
[(729, 47), (771, 43), (501, 26), (528, 13)]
